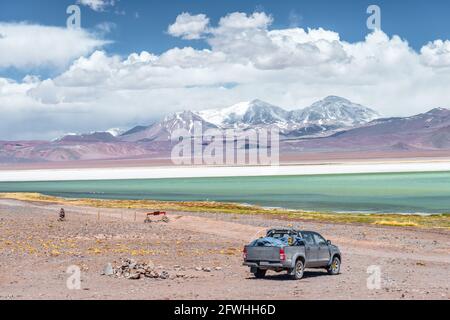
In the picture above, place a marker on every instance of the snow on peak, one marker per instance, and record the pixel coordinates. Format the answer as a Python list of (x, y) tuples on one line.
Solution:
[(244, 113), (115, 132), (331, 111), (221, 116), (338, 110)]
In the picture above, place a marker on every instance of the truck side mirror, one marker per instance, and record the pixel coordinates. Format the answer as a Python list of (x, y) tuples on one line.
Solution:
[(328, 242)]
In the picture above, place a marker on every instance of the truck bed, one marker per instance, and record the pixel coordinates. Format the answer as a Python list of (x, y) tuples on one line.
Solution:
[(269, 254)]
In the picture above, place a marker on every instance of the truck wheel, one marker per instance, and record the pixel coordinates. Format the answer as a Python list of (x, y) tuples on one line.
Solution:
[(298, 270), (260, 273), (335, 266)]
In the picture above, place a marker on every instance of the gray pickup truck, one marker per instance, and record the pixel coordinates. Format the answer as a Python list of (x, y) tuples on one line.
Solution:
[(310, 250)]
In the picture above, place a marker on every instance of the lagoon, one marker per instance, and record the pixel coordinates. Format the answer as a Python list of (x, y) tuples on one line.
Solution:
[(366, 193)]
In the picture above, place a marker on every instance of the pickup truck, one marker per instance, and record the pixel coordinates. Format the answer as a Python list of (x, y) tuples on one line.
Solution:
[(310, 250)]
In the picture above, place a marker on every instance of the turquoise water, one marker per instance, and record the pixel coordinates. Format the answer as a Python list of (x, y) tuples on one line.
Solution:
[(403, 193)]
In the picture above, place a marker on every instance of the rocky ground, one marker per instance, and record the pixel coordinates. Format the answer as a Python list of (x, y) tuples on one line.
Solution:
[(198, 256)]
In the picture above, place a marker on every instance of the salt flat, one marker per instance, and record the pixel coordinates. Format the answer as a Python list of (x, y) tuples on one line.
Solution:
[(83, 174)]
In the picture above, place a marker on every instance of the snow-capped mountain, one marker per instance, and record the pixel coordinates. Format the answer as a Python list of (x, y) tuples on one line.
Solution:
[(325, 116), (426, 133), (322, 118), (115, 131), (162, 131), (334, 111), (244, 114)]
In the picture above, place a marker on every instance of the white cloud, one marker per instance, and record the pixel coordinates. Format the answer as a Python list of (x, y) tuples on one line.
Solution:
[(436, 53), (97, 5), (49, 47), (246, 59), (242, 21), (189, 26), (246, 38)]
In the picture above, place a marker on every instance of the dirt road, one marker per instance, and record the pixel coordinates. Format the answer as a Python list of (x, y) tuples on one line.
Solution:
[(202, 254)]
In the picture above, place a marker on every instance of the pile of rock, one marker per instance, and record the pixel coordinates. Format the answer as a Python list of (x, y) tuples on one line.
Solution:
[(207, 269), (164, 219), (131, 269)]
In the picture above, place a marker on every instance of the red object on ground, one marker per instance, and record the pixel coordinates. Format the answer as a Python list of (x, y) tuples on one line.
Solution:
[(157, 213)]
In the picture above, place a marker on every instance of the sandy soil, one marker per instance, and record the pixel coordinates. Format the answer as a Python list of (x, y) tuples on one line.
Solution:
[(36, 250)]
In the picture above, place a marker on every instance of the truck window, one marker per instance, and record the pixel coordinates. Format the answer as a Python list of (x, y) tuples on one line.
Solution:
[(308, 237), (319, 239), (276, 234)]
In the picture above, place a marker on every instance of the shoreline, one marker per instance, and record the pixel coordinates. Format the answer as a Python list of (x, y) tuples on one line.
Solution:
[(166, 172), (433, 221)]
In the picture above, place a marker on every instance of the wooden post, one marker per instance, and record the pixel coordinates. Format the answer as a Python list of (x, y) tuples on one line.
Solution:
[(135, 213)]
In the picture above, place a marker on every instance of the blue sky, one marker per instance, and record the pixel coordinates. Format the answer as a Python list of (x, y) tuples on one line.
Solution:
[(416, 21), (289, 53)]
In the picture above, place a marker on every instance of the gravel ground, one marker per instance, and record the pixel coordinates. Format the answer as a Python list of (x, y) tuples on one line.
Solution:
[(201, 253)]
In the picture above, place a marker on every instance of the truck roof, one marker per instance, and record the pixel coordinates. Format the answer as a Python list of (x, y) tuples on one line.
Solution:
[(284, 229)]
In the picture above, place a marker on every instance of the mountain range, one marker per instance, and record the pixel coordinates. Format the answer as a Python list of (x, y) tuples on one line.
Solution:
[(322, 118), (333, 124)]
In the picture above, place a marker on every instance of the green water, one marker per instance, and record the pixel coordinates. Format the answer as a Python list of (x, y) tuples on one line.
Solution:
[(402, 193)]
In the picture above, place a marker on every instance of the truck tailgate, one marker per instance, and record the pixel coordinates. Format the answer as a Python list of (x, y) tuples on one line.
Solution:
[(271, 254)]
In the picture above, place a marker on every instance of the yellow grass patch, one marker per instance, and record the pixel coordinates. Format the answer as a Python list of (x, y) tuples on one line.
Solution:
[(55, 253), (95, 250), (396, 223)]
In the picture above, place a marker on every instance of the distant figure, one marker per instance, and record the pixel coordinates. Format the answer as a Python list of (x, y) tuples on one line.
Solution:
[(62, 215)]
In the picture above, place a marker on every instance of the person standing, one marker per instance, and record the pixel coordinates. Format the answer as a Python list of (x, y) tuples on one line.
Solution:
[(62, 215)]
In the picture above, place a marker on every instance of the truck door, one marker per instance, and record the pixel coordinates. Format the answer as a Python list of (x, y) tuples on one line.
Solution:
[(323, 255), (311, 249)]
